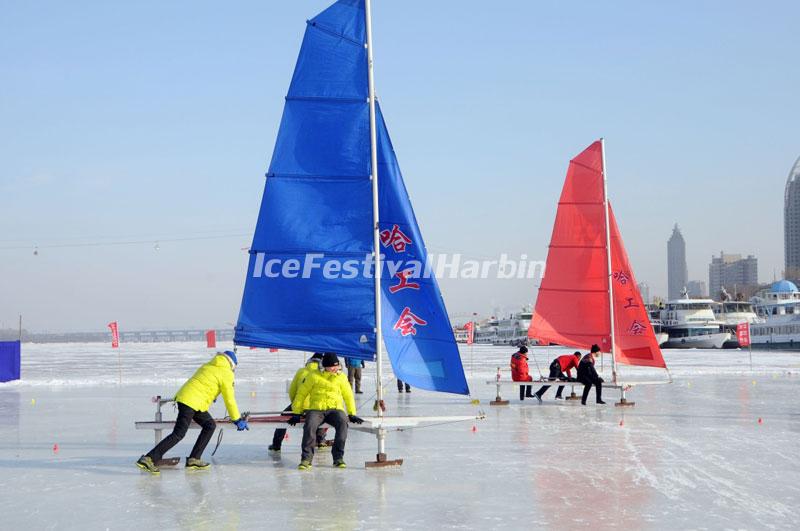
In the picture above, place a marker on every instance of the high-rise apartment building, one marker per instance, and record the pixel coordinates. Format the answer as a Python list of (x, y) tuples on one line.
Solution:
[(732, 272), (791, 223)]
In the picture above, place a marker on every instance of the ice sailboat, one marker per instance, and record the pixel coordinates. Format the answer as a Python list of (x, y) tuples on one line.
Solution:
[(589, 293), (337, 262)]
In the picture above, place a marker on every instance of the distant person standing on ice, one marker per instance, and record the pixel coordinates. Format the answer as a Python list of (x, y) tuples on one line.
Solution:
[(519, 372), (401, 384), (193, 400), (354, 366), (560, 369), (588, 376), (311, 366), (330, 401)]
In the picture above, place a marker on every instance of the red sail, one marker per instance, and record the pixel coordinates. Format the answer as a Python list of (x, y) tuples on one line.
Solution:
[(572, 308), (634, 340)]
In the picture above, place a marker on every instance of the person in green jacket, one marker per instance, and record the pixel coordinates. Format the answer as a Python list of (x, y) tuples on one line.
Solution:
[(330, 400), (311, 366), (193, 400)]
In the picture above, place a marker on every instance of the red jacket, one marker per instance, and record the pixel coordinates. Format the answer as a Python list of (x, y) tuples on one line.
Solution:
[(568, 362), (519, 368)]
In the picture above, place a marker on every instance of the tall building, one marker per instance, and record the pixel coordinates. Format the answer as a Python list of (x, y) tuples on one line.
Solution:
[(791, 223), (696, 289), (732, 272), (677, 273), (644, 289)]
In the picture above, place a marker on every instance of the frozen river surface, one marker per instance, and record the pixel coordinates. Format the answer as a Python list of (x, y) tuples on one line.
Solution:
[(719, 448)]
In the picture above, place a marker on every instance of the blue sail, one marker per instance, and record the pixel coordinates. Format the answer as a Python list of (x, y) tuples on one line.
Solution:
[(309, 282), (416, 329), (317, 200)]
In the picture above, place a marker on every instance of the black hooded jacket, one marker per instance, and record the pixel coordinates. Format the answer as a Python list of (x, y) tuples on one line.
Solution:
[(586, 371)]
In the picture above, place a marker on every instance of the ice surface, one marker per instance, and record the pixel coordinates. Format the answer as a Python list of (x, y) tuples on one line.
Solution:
[(691, 454)]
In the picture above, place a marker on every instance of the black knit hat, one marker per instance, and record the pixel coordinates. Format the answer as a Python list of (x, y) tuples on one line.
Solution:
[(595, 348), (330, 360), (576, 353), (523, 349)]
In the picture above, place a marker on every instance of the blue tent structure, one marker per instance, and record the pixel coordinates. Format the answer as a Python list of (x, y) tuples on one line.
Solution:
[(10, 360)]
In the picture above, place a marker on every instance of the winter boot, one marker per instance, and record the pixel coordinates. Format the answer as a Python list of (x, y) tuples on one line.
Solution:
[(196, 464), (147, 464), (304, 465), (339, 463), (274, 449)]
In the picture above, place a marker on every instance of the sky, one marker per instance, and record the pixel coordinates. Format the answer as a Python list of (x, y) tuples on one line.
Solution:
[(154, 122)]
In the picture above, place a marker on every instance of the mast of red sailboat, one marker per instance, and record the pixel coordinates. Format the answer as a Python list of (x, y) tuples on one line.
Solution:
[(608, 260)]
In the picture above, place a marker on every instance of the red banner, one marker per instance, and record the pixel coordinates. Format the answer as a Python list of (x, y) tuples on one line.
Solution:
[(211, 339), (114, 334), (743, 334), (470, 328)]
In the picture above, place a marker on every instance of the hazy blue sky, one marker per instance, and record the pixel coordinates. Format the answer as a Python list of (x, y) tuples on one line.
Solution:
[(156, 120)]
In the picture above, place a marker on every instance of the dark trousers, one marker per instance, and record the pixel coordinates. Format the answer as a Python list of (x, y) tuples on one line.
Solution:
[(185, 417), (280, 433), (354, 375), (525, 390), (555, 372), (336, 418), (598, 384), (400, 385)]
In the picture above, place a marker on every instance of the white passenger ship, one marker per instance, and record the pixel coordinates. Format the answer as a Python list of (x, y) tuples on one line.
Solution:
[(778, 308), (691, 323), (513, 330), (731, 313)]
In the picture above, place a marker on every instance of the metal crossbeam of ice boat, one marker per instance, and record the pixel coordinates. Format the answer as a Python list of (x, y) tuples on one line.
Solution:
[(271, 418), (623, 387)]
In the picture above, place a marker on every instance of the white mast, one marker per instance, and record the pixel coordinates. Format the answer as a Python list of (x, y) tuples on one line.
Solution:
[(608, 260), (376, 240)]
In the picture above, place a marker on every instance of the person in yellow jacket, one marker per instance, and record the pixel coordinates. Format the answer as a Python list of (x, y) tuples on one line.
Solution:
[(311, 366), (194, 399), (325, 397)]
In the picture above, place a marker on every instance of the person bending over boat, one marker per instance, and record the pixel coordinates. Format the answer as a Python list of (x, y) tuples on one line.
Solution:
[(311, 366), (560, 369), (193, 399), (588, 376), (519, 372), (329, 393)]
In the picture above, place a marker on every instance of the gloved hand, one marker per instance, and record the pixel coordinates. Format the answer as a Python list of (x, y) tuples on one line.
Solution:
[(241, 424), (294, 420), (355, 420)]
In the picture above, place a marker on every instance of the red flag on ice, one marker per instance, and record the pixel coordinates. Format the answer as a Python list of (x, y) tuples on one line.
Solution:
[(743, 334), (211, 339), (114, 334), (470, 327)]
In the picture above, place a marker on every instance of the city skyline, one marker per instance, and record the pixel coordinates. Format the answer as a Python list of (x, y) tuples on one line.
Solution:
[(137, 144)]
